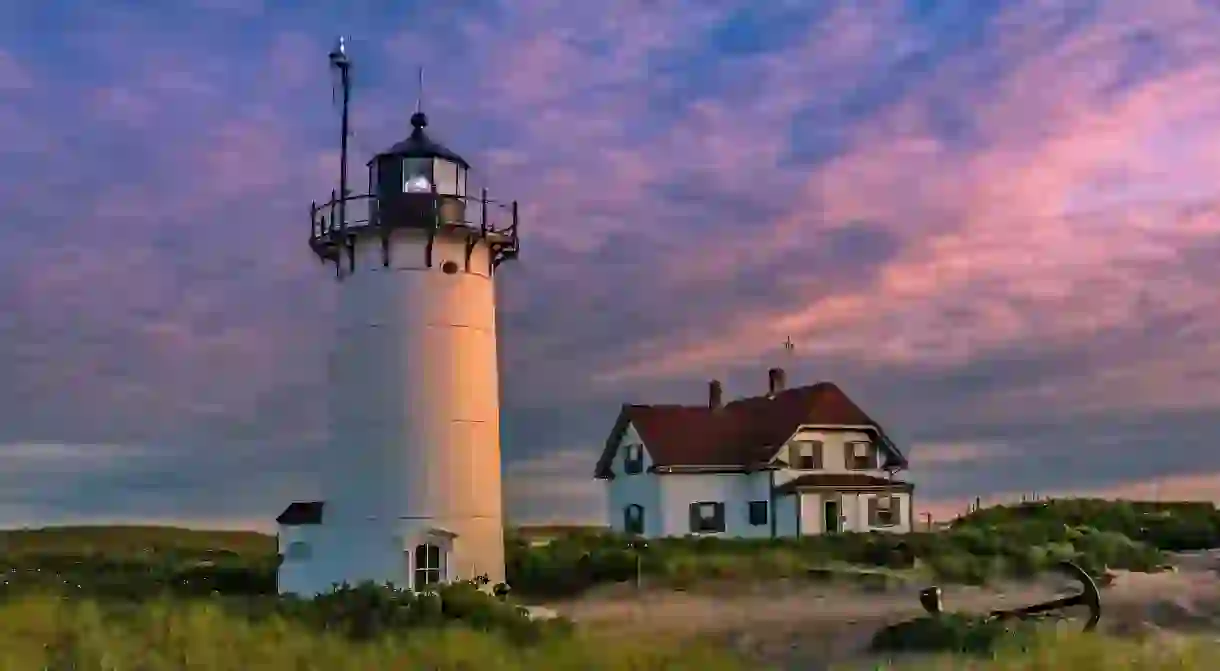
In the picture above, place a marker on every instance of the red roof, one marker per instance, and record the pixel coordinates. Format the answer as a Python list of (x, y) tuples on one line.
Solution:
[(742, 433)]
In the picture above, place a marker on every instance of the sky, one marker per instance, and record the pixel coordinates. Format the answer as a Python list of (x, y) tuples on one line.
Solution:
[(995, 224)]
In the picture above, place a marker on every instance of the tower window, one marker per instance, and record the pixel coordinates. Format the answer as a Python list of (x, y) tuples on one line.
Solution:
[(428, 567), (298, 551), (416, 175)]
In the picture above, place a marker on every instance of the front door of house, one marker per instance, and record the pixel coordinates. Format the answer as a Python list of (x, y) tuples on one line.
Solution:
[(831, 516)]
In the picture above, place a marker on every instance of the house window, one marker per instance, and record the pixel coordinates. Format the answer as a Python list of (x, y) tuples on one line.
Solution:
[(428, 567), (884, 511), (758, 513), (633, 459), (861, 456), (298, 551), (706, 517), (808, 455), (633, 519)]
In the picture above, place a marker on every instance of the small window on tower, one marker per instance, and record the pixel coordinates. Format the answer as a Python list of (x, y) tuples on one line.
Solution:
[(428, 568), (298, 551), (416, 175)]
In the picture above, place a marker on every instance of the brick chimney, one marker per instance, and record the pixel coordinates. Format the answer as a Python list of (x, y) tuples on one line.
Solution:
[(715, 395), (775, 381)]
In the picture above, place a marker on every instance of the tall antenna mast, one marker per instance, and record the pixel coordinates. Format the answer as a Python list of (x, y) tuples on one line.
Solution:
[(339, 61), (789, 352)]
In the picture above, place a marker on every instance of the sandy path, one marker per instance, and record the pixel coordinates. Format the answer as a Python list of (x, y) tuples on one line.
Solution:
[(808, 626)]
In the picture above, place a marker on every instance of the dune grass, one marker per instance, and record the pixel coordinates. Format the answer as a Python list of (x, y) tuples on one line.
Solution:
[(1084, 652), (53, 633), (47, 632)]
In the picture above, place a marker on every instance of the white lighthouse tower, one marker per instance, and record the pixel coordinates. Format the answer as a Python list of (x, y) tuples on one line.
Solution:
[(411, 480)]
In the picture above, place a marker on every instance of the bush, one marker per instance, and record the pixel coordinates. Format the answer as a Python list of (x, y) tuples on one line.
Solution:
[(367, 611), (954, 632)]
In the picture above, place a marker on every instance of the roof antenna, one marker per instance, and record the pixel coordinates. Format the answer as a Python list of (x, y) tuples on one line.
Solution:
[(419, 119), (419, 91), (789, 352)]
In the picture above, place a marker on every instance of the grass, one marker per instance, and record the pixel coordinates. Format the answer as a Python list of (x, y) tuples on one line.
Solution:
[(44, 632), (148, 598), (1084, 652)]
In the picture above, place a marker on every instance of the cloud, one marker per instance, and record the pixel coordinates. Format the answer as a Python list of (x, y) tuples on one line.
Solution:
[(931, 454), (13, 77), (556, 487), (992, 223)]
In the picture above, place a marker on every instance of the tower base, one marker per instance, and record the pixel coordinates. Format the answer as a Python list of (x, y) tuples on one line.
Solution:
[(415, 554)]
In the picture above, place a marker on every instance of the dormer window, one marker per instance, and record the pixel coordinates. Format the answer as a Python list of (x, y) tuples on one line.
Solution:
[(807, 455), (861, 456), (633, 459)]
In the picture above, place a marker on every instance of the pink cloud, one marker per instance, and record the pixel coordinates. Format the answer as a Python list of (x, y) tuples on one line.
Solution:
[(1000, 247)]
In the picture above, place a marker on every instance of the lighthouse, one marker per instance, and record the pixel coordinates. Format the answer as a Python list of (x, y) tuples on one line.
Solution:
[(410, 480)]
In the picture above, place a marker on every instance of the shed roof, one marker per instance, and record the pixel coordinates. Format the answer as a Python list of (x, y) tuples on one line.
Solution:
[(301, 513)]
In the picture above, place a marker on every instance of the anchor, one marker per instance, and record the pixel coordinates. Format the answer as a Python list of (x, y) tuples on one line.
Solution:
[(1089, 596)]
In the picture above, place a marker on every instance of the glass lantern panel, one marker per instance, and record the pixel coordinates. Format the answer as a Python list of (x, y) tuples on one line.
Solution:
[(447, 177), (416, 175)]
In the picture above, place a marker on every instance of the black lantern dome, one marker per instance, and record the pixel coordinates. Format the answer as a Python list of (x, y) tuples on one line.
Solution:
[(419, 183), (419, 145)]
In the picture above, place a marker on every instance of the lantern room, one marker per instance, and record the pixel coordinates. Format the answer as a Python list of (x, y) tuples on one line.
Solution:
[(419, 182)]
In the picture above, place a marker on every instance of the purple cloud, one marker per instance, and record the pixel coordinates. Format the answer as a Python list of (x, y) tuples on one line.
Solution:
[(977, 219)]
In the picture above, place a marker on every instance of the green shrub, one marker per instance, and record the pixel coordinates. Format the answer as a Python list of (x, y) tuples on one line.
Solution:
[(367, 611), (954, 632)]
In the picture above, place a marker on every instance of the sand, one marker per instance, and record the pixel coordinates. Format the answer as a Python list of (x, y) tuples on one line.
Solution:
[(791, 625)]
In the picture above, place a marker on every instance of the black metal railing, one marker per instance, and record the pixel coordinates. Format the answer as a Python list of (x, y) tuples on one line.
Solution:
[(478, 217)]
